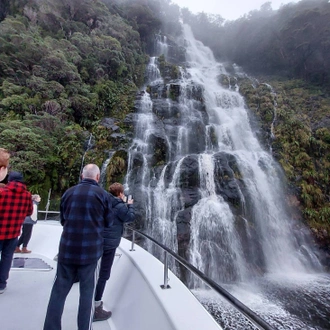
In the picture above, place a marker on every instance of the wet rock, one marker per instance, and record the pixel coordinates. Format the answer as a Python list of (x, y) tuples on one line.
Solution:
[(158, 144), (174, 91), (137, 160), (195, 92), (110, 123), (197, 137), (165, 109), (157, 90), (189, 173), (226, 184), (190, 196), (183, 224)]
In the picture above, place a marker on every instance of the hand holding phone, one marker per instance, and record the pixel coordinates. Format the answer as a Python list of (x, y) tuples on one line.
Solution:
[(129, 199)]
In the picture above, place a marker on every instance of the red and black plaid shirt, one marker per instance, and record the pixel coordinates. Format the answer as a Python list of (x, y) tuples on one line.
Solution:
[(15, 205)]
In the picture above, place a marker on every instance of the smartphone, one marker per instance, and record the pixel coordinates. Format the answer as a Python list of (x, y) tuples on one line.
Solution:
[(129, 197)]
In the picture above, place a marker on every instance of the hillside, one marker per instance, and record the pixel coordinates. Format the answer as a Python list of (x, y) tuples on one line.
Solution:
[(71, 68)]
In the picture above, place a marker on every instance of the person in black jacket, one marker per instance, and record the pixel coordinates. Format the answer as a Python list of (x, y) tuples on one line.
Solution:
[(28, 226), (123, 213)]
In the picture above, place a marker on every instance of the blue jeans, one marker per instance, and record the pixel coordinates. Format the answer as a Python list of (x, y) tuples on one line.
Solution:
[(105, 269), (65, 277), (7, 248)]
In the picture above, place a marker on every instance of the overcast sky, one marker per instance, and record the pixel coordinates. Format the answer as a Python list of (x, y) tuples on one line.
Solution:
[(228, 9)]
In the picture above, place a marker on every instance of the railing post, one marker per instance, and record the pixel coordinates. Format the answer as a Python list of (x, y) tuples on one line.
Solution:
[(48, 202), (165, 285), (133, 241)]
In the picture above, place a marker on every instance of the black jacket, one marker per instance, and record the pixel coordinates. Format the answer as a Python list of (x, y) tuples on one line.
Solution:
[(123, 213)]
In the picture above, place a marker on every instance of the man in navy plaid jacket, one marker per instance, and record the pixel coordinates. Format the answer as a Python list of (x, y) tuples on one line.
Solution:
[(86, 209)]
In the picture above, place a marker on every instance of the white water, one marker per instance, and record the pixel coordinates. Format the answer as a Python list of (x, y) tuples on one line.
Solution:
[(274, 266), (103, 171), (89, 145), (230, 120)]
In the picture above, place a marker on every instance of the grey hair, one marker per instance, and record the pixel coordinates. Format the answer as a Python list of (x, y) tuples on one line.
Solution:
[(90, 171), (36, 197)]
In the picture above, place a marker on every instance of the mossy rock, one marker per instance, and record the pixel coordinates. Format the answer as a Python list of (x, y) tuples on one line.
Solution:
[(117, 167)]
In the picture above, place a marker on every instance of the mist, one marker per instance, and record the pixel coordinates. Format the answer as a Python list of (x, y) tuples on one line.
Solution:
[(229, 10)]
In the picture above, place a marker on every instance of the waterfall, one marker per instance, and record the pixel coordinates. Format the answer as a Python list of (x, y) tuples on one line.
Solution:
[(88, 147), (273, 93), (161, 45), (260, 173), (208, 190), (103, 170)]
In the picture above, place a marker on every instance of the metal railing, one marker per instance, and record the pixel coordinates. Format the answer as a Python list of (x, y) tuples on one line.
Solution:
[(238, 305), (47, 212)]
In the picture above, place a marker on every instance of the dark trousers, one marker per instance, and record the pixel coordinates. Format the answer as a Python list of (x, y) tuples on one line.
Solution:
[(7, 248), (105, 269), (65, 277), (26, 234)]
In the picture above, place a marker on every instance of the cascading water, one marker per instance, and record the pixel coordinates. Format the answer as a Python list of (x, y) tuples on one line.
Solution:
[(103, 171), (161, 45), (207, 189), (88, 147)]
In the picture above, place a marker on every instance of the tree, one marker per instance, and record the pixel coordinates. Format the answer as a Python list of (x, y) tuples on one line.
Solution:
[(4, 8)]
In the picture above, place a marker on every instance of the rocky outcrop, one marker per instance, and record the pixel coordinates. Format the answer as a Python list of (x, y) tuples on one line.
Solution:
[(226, 177)]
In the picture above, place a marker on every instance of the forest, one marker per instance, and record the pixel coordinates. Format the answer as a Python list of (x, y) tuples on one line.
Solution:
[(292, 42), (67, 66)]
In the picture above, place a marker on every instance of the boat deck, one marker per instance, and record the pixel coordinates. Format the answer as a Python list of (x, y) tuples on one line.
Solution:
[(23, 305), (133, 293)]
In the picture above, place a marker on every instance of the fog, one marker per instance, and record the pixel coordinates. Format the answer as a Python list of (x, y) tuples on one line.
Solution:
[(229, 10)]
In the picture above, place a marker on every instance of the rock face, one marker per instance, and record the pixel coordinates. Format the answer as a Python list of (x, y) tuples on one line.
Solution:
[(165, 156), (227, 185), (171, 130)]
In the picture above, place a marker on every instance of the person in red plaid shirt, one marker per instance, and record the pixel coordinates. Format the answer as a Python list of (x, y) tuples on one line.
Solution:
[(15, 205)]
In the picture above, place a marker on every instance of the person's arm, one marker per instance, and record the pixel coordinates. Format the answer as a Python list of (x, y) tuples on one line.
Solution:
[(30, 205), (62, 221), (34, 215), (109, 214), (126, 212)]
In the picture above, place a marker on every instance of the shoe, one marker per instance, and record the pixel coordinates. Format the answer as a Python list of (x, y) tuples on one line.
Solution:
[(3, 290), (25, 250), (18, 250), (100, 314)]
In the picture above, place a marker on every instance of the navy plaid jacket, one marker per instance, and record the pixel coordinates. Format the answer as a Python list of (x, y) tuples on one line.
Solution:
[(86, 209)]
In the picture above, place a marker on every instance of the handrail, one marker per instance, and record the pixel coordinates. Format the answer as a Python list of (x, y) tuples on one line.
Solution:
[(238, 305)]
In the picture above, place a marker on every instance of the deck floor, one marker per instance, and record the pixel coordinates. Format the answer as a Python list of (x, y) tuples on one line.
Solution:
[(133, 293), (23, 305)]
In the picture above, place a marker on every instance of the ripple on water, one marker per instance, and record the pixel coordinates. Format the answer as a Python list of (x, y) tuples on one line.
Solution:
[(298, 303)]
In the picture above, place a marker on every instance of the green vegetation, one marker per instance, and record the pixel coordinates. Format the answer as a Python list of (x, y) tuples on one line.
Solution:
[(65, 65)]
